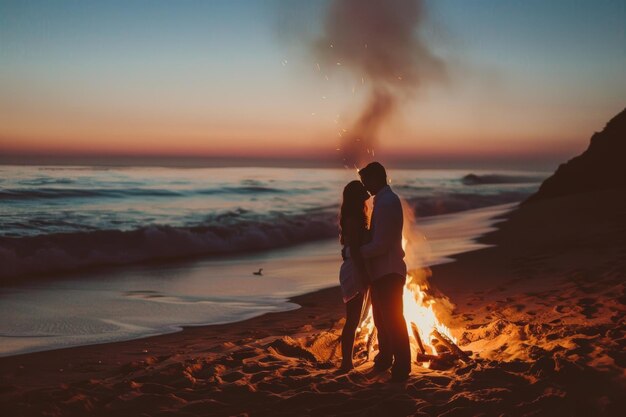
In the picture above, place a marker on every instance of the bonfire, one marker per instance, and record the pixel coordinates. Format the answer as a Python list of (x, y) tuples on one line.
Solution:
[(432, 342)]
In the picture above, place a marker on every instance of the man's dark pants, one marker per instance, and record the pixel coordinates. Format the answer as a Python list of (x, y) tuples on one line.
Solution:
[(393, 338)]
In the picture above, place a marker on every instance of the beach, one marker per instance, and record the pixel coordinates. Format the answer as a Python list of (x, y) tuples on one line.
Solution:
[(103, 254), (541, 308), (189, 191)]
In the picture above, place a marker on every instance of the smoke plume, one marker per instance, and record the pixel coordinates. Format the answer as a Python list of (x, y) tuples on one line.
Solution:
[(379, 42)]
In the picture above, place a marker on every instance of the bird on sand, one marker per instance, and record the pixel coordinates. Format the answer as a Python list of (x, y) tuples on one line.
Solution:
[(259, 272)]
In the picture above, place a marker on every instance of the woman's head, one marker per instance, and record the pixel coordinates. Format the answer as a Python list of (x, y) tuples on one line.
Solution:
[(353, 205), (355, 192)]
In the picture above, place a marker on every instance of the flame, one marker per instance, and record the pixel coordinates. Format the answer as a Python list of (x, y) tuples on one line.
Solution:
[(418, 302), (418, 310)]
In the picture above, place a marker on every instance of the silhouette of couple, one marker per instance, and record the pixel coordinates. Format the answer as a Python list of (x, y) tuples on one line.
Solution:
[(374, 262)]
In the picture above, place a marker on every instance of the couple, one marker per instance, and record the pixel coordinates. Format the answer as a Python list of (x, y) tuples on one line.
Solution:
[(374, 261)]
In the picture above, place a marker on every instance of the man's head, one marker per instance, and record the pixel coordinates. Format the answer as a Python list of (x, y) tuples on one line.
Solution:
[(373, 177)]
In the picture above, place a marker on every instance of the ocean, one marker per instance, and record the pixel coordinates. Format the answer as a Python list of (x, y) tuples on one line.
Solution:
[(94, 254)]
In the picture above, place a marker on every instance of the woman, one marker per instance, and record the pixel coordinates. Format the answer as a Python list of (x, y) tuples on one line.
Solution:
[(353, 221)]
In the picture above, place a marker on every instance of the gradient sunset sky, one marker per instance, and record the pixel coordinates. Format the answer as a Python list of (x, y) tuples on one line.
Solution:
[(528, 80)]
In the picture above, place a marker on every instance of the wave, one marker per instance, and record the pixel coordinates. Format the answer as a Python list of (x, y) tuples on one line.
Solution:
[(435, 205), (36, 182), (52, 253), (225, 233), (63, 193), (473, 179), (249, 189)]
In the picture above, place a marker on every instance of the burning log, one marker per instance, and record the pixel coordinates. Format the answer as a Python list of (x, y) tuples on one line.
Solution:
[(417, 337), (443, 361), (451, 345), (441, 357), (425, 357), (370, 341)]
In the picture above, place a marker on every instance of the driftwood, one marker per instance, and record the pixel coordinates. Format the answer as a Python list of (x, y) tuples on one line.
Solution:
[(451, 345)]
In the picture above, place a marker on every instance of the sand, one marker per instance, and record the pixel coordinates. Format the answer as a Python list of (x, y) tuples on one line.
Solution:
[(542, 310)]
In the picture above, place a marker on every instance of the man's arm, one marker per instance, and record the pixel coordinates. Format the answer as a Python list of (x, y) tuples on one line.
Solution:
[(387, 221)]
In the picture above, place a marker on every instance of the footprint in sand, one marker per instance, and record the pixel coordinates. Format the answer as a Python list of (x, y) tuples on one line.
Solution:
[(298, 371), (588, 307), (562, 309), (232, 376)]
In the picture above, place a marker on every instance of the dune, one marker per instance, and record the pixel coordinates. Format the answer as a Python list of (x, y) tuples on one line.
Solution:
[(542, 310)]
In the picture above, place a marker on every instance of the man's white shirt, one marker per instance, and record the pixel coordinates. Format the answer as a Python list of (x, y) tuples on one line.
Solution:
[(384, 253)]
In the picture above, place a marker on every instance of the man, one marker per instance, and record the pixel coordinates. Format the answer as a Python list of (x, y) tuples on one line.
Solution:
[(385, 258)]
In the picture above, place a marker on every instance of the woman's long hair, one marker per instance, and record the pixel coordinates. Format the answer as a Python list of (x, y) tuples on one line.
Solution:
[(353, 205)]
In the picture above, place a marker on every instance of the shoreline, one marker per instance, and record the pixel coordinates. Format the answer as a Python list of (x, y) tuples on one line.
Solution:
[(324, 304), (490, 238), (137, 290)]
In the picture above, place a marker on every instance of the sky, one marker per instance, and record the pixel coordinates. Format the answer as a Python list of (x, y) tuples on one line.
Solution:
[(529, 81)]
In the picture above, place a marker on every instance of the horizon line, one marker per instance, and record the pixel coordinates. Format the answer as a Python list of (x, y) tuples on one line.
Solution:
[(514, 162)]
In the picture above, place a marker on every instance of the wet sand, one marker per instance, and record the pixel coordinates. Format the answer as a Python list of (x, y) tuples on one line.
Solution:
[(542, 310)]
